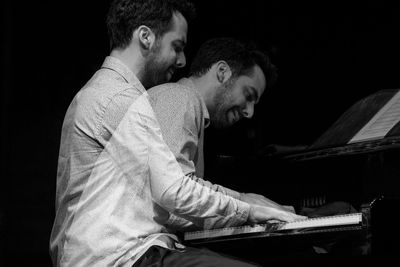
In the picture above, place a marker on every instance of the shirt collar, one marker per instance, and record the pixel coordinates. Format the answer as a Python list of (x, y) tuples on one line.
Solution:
[(119, 67), (189, 83)]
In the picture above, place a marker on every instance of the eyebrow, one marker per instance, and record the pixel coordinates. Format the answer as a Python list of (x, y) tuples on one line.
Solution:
[(180, 42)]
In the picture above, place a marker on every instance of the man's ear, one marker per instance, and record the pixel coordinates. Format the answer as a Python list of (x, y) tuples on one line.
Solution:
[(146, 37), (223, 70)]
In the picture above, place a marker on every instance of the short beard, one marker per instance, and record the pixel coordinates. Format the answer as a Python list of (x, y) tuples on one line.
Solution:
[(222, 98), (154, 71)]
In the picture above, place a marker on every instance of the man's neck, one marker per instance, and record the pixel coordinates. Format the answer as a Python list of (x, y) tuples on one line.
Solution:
[(133, 61), (204, 87)]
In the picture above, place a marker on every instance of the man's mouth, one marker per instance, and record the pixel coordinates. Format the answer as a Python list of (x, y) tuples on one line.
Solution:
[(235, 116), (171, 71)]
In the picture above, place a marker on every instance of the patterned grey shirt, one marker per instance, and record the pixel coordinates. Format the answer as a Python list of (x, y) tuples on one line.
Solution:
[(183, 116), (118, 182)]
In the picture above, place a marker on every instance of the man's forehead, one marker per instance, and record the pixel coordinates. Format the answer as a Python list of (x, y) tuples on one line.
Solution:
[(261, 79), (254, 82), (178, 30), (257, 78)]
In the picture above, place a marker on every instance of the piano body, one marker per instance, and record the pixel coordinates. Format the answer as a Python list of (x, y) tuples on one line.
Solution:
[(363, 173)]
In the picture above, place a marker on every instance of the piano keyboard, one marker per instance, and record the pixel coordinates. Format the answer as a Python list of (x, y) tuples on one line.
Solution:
[(328, 221)]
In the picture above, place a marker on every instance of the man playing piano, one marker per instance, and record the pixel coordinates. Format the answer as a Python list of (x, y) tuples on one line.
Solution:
[(118, 183), (227, 79)]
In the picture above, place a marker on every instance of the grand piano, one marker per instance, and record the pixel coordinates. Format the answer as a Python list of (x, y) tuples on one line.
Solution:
[(356, 161)]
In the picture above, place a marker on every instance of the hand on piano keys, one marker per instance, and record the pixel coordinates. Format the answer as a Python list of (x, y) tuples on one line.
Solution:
[(256, 199), (259, 214), (263, 209)]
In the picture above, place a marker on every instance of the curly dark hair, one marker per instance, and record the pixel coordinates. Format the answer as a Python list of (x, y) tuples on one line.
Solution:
[(124, 16), (240, 56)]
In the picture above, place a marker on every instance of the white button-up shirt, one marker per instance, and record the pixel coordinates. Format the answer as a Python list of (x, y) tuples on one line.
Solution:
[(118, 183)]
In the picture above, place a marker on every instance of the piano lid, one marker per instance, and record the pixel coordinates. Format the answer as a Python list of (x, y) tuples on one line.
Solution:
[(338, 139)]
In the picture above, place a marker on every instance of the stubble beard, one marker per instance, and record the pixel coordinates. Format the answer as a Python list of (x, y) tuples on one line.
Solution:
[(222, 99), (155, 70)]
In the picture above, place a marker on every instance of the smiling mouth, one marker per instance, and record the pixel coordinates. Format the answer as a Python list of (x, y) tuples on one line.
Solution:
[(239, 115), (236, 115)]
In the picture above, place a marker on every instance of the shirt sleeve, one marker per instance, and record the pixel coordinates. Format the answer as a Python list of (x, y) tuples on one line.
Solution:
[(177, 223), (170, 187), (179, 114)]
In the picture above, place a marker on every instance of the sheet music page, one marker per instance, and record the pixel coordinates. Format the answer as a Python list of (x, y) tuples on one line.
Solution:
[(381, 123)]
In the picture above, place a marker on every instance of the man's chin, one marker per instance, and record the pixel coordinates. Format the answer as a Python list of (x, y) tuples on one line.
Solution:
[(222, 124), (162, 79), (168, 77), (165, 77)]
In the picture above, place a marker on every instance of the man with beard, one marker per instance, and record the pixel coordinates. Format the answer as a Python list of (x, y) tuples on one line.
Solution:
[(117, 181), (227, 79)]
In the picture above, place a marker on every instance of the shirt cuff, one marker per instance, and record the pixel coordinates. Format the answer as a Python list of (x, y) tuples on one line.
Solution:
[(243, 211), (232, 193)]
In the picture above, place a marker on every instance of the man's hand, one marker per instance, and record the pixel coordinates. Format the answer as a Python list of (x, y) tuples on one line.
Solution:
[(256, 199), (260, 214), (263, 209)]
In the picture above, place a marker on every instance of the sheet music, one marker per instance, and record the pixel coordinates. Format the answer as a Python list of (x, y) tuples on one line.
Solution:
[(328, 221), (381, 123)]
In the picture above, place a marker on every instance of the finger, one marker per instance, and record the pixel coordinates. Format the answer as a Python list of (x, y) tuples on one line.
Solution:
[(290, 217), (274, 221)]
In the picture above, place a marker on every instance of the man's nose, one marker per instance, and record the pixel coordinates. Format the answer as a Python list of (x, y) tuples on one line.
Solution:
[(248, 112), (181, 60)]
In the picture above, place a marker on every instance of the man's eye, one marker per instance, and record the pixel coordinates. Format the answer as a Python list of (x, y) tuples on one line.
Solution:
[(178, 49), (249, 97)]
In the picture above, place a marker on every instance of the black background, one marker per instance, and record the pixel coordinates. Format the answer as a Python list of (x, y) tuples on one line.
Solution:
[(329, 55)]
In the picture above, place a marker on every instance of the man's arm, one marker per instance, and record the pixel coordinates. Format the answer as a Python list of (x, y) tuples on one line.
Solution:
[(179, 194), (138, 139), (181, 118), (257, 199), (180, 114)]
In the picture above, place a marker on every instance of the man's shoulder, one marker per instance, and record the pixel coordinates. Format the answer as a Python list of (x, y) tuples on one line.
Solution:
[(172, 89), (104, 86), (178, 93)]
